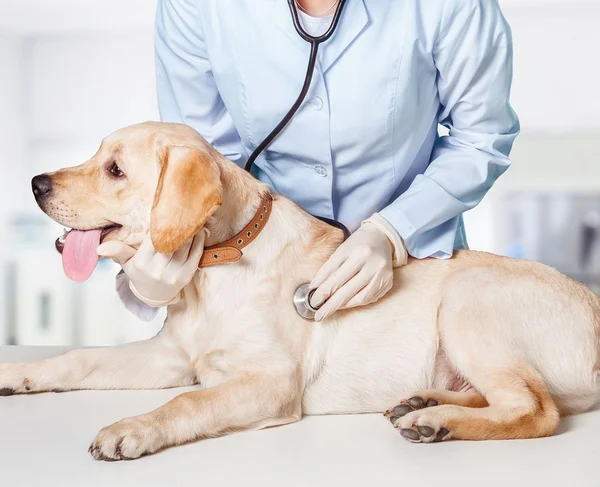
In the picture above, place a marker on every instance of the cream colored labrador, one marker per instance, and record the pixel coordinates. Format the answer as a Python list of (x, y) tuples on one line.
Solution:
[(475, 347)]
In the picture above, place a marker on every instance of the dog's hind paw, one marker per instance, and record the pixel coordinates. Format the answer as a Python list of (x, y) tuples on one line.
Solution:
[(423, 426), (424, 434), (409, 405), (418, 420)]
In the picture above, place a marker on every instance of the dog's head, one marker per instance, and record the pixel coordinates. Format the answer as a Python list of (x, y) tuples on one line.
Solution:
[(157, 178)]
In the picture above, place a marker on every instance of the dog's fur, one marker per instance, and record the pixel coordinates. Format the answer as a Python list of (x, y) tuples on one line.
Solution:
[(481, 346)]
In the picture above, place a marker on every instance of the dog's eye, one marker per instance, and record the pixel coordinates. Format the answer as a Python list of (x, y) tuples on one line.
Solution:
[(115, 170)]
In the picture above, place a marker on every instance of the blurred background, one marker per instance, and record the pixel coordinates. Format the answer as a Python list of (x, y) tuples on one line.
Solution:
[(72, 71)]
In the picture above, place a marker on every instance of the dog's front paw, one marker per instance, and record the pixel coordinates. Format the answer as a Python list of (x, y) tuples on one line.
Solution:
[(12, 381), (127, 439)]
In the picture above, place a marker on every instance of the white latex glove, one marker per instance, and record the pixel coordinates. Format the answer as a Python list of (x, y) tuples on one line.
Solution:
[(360, 271), (156, 279)]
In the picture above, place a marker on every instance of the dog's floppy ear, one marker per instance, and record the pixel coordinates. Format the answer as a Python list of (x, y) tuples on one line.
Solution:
[(189, 191)]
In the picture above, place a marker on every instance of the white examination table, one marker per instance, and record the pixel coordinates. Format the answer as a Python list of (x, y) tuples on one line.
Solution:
[(44, 440)]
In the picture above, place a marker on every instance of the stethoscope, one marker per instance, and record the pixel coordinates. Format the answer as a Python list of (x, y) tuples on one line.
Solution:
[(303, 294)]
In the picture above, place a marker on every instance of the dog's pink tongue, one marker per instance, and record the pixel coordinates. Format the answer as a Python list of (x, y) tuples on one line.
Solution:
[(79, 255)]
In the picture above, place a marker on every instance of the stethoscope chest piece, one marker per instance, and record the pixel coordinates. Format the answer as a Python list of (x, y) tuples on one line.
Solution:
[(302, 302)]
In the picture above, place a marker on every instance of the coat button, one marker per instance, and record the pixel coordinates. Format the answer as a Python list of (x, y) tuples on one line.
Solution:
[(316, 103), (321, 170)]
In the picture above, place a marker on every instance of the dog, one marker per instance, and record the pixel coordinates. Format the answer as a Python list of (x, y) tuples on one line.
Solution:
[(474, 347)]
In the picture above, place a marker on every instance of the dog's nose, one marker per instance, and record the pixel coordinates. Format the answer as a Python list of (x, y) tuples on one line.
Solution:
[(41, 186)]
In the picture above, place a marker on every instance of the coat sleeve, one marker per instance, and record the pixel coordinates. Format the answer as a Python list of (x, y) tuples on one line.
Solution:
[(140, 309), (473, 58), (186, 89)]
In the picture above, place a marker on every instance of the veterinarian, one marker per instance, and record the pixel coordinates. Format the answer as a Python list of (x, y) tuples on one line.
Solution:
[(364, 148)]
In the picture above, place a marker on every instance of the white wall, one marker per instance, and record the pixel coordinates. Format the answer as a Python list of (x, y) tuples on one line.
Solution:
[(110, 84), (556, 66), (555, 94), (11, 157), (32, 17), (11, 140), (568, 163)]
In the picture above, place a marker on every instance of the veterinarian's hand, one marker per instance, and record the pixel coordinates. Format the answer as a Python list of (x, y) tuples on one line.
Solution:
[(156, 279), (360, 271)]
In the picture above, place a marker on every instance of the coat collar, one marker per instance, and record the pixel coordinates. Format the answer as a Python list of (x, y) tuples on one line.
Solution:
[(354, 19)]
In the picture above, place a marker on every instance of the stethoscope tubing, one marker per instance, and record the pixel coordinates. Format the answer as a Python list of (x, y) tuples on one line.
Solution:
[(314, 49), (315, 42)]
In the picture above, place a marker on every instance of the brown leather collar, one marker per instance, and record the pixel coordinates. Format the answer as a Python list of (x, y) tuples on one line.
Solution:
[(231, 250)]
